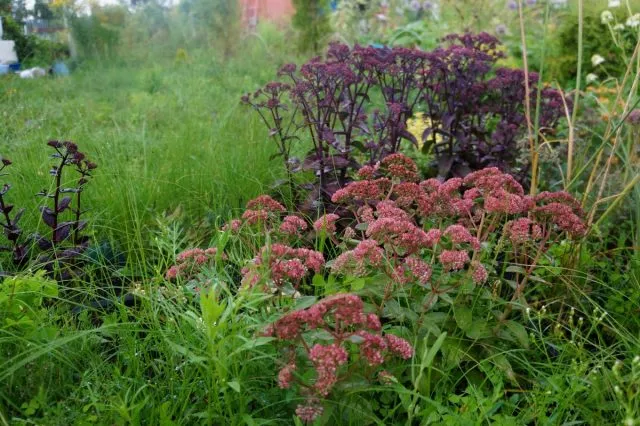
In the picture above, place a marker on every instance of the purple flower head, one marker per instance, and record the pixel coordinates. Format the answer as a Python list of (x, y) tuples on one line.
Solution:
[(513, 5), (634, 117)]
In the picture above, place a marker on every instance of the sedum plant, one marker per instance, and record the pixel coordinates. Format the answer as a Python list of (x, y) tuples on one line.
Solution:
[(60, 248), (353, 106), (404, 253)]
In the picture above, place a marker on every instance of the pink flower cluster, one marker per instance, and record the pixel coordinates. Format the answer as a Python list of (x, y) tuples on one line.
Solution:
[(293, 225), (560, 210), (364, 190), (260, 209), (355, 262), (342, 317), (400, 167), (285, 264), (412, 270), (190, 262)]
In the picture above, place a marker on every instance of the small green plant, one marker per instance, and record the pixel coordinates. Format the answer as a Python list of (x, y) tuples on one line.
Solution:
[(21, 302)]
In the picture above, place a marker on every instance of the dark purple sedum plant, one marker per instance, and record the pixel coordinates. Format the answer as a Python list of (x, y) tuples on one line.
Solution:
[(354, 103), (10, 224), (62, 214)]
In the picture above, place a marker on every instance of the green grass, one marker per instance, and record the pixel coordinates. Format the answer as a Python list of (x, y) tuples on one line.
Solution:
[(164, 135)]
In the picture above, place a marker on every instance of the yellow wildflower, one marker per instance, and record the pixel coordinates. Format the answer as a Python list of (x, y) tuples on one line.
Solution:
[(417, 124)]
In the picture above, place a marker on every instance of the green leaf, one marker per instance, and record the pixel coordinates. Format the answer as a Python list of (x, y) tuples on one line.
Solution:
[(362, 226), (463, 316), (304, 302), (318, 281), (479, 330), (433, 350), (234, 385), (357, 284), (253, 343), (519, 332), (515, 268)]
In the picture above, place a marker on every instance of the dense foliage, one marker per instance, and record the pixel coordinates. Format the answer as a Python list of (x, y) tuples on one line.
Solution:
[(354, 106)]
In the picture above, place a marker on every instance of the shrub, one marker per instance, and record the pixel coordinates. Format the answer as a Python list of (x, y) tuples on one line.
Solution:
[(354, 105), (31, 49), (312, 21)]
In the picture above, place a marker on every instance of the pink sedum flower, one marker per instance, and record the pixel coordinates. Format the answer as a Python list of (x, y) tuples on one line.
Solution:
[(453, 260), (309, 413), (326, 360), (266, 203), (293, 225), (479, 274), (459, 234), (285, 376), (399, 346)]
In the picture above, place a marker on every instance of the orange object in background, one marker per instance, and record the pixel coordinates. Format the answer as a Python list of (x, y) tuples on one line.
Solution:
[(276, 11)]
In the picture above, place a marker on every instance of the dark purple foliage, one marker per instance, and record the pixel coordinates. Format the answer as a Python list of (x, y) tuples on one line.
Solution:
[(63, 216), (10, 224), (353, 104)]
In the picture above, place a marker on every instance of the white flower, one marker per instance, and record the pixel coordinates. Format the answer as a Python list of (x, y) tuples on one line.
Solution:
[(633, 21), (614, 3), (606, 17), (596, 60), (618, 27), (591, 77)]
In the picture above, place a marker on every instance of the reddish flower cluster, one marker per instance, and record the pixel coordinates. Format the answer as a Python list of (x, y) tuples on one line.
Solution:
[(355, 262), (561, 210), (459, 235), (412, 270), (285, 264), (190, 262), (453, 260), (344, 318), (261, 208), (400, 167), (234, 226), (522, 230), (364, 190), (293, 225), (479, 274)]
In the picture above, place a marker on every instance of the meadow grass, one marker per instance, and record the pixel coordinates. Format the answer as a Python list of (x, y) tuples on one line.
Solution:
[(164, 134)]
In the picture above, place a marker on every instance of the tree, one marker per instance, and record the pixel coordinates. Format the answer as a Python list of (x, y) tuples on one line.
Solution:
[(20, 12), (41, 10), (312, 21), (5, 7)]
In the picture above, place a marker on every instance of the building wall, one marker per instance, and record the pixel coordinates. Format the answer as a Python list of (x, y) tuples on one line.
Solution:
[(278, 11)]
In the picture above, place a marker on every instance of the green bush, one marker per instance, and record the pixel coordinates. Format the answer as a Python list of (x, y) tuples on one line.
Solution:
[(312, 21), (597, 40), (31, 49)]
